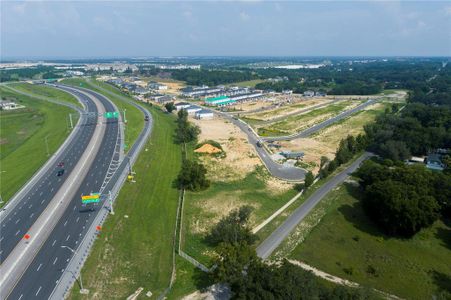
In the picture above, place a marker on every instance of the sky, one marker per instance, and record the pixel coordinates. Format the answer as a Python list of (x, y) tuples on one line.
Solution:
[(88, 29)]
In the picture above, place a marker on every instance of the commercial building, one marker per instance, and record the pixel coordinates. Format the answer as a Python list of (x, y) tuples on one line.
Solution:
[(181, 105), (191, 110), (204, 114), (219, 101), (157, 86)]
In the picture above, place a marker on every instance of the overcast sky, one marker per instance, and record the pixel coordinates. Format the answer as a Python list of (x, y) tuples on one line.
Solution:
[(244, 28)]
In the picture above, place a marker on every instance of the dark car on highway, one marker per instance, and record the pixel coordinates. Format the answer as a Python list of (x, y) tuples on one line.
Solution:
[(60, 172)]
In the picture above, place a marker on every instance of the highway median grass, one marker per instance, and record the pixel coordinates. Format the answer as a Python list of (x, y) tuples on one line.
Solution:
[(23, 135), (347, 244), (135, 247), (135, 118)]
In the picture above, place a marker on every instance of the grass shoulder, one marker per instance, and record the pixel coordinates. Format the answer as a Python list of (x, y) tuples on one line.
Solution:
[(135, 247)]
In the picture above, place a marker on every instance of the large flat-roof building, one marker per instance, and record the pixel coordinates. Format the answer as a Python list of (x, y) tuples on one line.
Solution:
[(219, 101)]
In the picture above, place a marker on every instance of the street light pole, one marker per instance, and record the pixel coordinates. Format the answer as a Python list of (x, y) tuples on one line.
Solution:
[(82, 290), (47, 144)]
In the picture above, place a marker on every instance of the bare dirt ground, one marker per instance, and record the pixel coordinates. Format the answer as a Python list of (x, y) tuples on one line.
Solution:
[(241, 158), (285, 109)]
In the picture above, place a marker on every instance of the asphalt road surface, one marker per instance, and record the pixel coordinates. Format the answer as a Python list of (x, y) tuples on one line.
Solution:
[(91, 183), (16, 221), (315, 128), (46, 269), (267, 247)]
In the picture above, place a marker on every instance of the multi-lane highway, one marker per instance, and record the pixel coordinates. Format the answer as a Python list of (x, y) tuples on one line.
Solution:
[(32, 269), (267, 247), (22, 211)]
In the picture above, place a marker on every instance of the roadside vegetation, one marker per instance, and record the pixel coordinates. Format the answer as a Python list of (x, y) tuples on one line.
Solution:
[(346, 243), (45, 91), (135, 246), (25, 134)]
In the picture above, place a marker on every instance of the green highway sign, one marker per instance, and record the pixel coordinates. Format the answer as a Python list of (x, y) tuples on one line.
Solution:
[(111, 114)]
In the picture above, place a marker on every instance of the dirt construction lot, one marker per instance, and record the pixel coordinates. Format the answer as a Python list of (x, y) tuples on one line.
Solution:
[(241, 158)]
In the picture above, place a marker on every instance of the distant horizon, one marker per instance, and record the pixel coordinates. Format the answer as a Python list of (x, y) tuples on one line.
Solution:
[(110, 29)]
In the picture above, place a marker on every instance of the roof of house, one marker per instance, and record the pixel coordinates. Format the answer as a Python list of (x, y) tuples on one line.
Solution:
[(204, 111), (207, 148), (182, 104)]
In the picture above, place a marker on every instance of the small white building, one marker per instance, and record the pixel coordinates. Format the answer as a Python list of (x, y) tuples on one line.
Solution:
[(191, 110), (204, 114), (4, 105), (157, 86), (309, 94), (181, 105)]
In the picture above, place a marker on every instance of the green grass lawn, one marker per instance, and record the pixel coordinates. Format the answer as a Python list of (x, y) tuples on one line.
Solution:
[(136, 251), (203, 209), (45, 91), (23, 148), (135, 117), (347, 244)]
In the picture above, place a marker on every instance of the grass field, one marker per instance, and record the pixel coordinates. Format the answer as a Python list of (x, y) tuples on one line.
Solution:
[(347, 244), (203, 209), (135, 247), (45, 91), (134, 117), (23, 134), (296, 123)]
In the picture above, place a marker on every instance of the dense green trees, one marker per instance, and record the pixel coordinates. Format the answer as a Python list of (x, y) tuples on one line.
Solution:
[(233, 228), (403, 199), (309, 178), (211, 77), (192, 176), (170, 107), (186, 132), (419, 129)]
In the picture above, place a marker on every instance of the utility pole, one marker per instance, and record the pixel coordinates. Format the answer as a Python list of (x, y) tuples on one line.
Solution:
[(71, 122), (111, 202), (47, 144), (82, 290)]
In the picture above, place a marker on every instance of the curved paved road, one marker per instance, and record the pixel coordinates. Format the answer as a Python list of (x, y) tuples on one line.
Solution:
[(267, 247)]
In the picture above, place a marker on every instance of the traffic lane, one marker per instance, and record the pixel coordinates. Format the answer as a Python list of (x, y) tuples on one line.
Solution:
[(315, 128), (69, 231), (30, 207), (265, 249), (275, 169)]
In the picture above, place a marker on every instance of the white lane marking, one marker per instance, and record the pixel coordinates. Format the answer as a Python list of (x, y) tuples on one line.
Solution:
[(31, 205), (56, 258), (40, 287), (42, 201), (21, 295), (31, 216), (75, 207), (18, 220), (40, 194), (65, 223), (17, 232), (40, 265), (67, 237), (1, 239), (52, 189), (53, 244), (78, 218)]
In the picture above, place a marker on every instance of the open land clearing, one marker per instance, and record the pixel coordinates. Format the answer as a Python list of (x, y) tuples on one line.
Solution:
[(236, 180), (326, 141), (174, 86), (23, 134), (248, 83), (134, 248), (342, 241), (296, 123)]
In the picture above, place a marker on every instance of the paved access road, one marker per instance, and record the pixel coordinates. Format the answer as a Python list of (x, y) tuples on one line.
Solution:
[(50, 264), (267, 247), (315, 128), (20, 214)]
